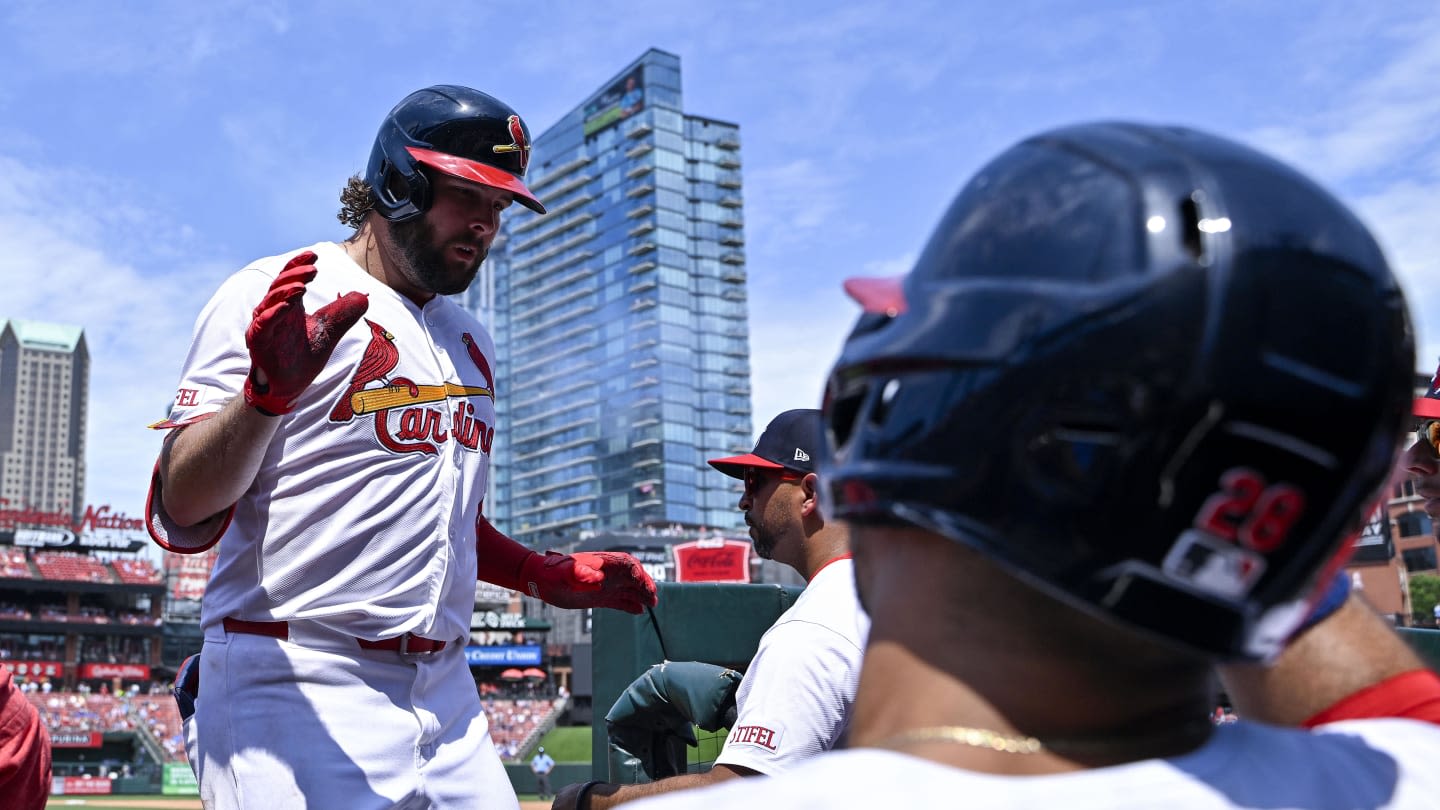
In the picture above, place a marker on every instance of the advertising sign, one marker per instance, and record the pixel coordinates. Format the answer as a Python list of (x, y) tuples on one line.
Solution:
[(1374, 543), (178, 780), (34, 669), (504, 656), (129, 672), (617, 102), (716, 560)]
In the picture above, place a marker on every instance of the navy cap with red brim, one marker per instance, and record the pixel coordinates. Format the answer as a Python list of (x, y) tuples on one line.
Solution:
[(477, 172), (735, 466)]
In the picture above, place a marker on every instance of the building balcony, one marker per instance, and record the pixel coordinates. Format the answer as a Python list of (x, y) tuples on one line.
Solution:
[(639, 170), (641, 304), (733, 294), (645, 382), (728, 180), (732, 273), (643, 323), (555, 320), (561, 226), (638, 129), (551, 252), (643, 247), (732, 239), (640, 190), (738, 371), (642, 266), (645, 401), (542, 271), (728, 142), (730, 201), (639, 149), (728, 162), (643, 227), (559, 171), (550, 213), (582, 273), (733, 257), (564, 188), (642, 286), (732, 222), (646, 462), (640, 210)]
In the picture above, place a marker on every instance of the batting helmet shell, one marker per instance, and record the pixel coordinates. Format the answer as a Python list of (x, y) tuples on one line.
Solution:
[(1149, 370), (453, 129)]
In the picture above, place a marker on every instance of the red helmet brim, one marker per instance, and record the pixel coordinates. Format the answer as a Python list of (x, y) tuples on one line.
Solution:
[(477, 172)]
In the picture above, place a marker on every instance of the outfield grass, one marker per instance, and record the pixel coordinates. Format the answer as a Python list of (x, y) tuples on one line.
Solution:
[(566, 744)]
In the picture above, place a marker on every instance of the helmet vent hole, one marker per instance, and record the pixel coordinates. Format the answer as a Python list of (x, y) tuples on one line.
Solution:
[(887, 396), (1190, 230)]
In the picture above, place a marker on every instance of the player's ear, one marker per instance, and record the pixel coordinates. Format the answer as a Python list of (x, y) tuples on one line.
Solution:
[(810, 485)]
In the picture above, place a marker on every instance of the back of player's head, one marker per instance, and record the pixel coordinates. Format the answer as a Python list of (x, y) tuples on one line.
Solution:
[(452, 129), (1152, 371)]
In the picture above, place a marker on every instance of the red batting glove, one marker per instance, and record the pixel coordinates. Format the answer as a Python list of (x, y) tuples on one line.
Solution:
[(288, 347), (609, 579)]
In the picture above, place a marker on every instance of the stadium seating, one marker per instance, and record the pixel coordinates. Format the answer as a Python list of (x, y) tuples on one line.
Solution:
[(71, 567), (137, 572), (14, 564)]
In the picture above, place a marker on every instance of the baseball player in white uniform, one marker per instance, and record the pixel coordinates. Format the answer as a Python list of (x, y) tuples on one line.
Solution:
[(795, 699), (1098, 441), (340, 459)]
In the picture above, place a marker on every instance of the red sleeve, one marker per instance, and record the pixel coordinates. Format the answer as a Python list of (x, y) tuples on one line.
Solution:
[(24, 750), (498, 559), (1414, 695)]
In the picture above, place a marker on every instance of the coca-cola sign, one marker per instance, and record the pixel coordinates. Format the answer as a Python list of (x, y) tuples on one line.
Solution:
[(716, 560), (129, 672)]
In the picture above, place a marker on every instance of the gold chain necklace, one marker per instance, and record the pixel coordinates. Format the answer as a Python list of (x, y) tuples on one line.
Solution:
[(966, 735)]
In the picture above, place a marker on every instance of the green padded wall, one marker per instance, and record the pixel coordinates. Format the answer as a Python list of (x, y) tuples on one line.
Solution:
[(716, 623)]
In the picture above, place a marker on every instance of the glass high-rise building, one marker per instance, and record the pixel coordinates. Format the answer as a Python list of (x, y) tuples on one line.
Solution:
[(620, 318)]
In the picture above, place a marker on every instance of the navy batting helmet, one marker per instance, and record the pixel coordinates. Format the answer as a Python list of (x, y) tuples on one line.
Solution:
[(1151, 371), (453, 129)]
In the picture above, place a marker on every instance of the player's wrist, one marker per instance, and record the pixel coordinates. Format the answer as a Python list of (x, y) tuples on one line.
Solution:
[(582, 796), (262, 398)]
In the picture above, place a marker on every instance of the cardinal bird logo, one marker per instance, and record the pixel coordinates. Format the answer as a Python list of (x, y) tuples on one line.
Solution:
[(479, 360), (518, 142), (379, 360)]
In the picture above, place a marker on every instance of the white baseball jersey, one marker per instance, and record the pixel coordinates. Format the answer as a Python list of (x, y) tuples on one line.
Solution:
[(1384, 764), (795, 699), (362, 516), (360, 523)]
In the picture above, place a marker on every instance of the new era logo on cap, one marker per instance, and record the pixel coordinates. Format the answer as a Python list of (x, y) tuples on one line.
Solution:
[(789, 442)]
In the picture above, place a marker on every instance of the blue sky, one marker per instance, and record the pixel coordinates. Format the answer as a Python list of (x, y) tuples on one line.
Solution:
[(148, 149)]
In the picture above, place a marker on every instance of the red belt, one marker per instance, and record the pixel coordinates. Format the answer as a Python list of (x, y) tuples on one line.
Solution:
[(408, 644)]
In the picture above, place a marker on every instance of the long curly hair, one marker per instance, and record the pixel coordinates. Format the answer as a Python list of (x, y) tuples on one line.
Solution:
[(356, 198)]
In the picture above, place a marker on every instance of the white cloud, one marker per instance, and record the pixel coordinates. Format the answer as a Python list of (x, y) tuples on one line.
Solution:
[(74, 257)]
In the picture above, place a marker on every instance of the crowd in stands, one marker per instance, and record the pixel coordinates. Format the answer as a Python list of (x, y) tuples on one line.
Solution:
[(80, 711), (14, 564), (512, 721)]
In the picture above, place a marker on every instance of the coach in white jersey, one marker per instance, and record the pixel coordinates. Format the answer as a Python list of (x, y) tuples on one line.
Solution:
[(1102, 437), (795, 699), (340, 458)]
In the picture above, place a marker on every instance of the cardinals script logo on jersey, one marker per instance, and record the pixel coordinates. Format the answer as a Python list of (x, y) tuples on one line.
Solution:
[(410, 417)]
